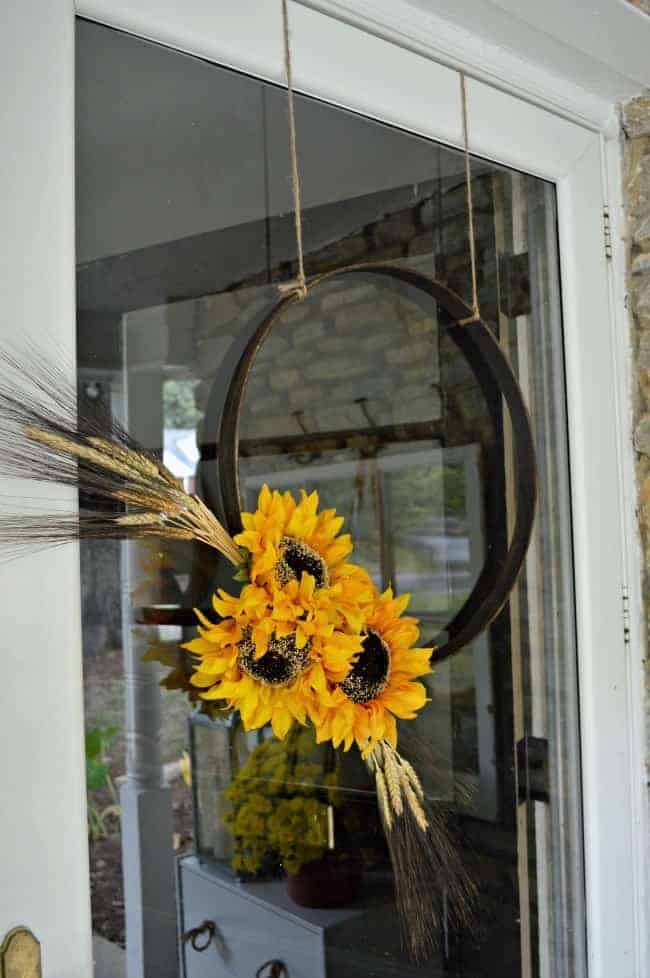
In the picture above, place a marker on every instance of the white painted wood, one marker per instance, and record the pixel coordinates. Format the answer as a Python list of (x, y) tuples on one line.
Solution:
[(577, 59), (612, 34), (43, 842), (596, 433), (494, 47), (529, 139), (43, 845)]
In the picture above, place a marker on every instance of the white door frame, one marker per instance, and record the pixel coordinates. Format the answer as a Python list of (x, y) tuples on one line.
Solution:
[(43, 849)]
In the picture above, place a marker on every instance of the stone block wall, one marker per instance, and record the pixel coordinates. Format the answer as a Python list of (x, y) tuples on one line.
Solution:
[(636, 128), (356, 354)]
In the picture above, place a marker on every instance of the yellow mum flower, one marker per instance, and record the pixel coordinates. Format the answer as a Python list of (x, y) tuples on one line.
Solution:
[(380, 685), (286, 538)]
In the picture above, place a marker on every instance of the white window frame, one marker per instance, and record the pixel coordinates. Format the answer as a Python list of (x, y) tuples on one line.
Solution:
[(43, 846)]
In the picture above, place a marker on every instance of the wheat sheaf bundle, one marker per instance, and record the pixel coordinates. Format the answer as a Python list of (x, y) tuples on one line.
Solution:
[(432, 885), (50, 435)]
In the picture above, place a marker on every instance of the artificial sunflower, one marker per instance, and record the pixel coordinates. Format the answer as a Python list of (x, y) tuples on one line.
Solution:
[(274, 654), (286, 538), (379, 686)]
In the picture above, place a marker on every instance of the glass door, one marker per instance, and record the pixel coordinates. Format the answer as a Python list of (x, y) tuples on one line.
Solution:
[(185, 230)]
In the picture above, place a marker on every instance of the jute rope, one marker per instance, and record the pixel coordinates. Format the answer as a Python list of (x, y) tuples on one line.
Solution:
[(298, 286), (470, 207)]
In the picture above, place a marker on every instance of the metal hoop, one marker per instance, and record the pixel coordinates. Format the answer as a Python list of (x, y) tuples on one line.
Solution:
[(493, 372)]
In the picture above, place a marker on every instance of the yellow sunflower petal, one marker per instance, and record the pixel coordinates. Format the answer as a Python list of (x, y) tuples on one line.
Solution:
[(198, 645), (264, 499), (339, 550), (204, 621), (307, 586), (390, 729), (281, 721), (405, 700), (202, 680), (251, 540)]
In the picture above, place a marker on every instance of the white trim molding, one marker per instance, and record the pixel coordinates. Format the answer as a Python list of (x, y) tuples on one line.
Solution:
[(504, 43), (459, 47), (43, 842), (599, 436)]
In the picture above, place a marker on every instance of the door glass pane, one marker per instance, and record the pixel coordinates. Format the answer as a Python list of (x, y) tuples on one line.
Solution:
[(185, 230)]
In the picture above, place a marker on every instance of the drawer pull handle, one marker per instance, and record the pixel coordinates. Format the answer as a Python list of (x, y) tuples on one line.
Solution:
[(276, 969), (202, 936)]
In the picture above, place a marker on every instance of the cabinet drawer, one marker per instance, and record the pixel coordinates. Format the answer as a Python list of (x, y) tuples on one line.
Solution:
[(258, 922), (250, 931)]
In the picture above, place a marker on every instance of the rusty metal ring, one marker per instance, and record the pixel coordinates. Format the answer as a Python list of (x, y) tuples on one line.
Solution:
[(278, 969), (493, 372), (207, 928)]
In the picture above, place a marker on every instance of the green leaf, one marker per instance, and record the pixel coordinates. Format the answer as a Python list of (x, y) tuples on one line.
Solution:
[(93, 742), (96, 774), (106, 734), (97, 741)]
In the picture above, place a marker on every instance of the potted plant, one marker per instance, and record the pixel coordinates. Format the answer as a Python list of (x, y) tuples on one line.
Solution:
[(281, 814)]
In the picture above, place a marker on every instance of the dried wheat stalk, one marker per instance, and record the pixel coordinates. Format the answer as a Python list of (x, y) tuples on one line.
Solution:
[(432, 886), (48, 436)]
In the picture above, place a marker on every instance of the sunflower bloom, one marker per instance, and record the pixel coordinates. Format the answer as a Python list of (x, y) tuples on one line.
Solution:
[(286, 538), (275, 656), (380, 686)]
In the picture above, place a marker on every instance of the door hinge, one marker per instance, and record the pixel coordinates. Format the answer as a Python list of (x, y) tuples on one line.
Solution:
[(607, 232), (626, 613)]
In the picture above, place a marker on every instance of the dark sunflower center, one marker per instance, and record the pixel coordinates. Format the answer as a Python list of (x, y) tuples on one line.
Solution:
[(281, 663), (368, 676), (295, 558)]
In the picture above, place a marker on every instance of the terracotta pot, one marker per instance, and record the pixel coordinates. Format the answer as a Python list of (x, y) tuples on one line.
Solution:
[(327, 882)]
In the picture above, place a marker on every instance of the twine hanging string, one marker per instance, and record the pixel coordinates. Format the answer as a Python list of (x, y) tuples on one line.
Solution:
[(297, 286), (476, 314)]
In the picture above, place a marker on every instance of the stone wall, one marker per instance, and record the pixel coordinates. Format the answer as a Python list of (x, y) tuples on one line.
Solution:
[(356, 354), (636, 127)]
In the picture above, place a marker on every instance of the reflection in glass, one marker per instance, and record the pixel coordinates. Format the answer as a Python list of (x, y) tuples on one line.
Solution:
[(184, 231)]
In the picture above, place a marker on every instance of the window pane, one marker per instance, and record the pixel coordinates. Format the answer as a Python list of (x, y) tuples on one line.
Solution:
[(185, 230)]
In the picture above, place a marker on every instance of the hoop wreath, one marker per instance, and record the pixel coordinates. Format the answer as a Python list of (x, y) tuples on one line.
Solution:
[(494, 374), (257, 660)]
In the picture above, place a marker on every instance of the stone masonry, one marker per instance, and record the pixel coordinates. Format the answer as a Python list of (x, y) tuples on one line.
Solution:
[(356, 354), (636, 127)]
